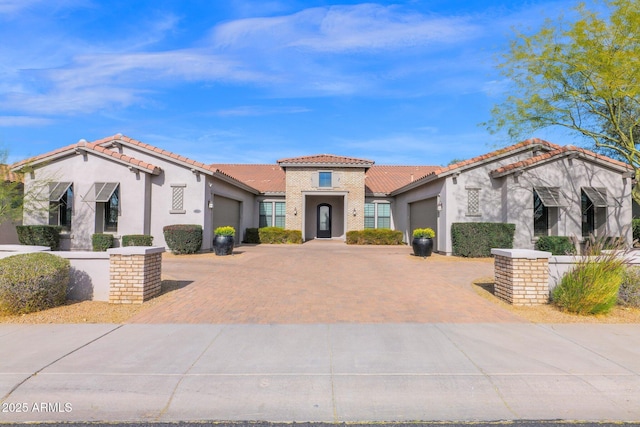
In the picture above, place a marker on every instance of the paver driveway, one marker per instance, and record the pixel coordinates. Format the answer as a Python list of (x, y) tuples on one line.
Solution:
[(323, 282)]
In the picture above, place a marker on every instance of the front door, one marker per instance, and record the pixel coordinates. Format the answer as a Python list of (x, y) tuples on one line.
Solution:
[(324, 221)]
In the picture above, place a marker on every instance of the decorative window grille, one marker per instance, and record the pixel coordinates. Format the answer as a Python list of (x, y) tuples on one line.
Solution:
[(177, 198), (473, 201)]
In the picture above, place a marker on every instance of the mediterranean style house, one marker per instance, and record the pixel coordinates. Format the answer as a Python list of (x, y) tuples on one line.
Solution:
[(123, 186)]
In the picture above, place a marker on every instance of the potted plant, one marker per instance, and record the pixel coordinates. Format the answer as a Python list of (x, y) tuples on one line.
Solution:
[(423, 241), (223, 240)]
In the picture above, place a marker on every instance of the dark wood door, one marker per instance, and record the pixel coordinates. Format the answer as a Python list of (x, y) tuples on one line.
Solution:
[(324, 221)]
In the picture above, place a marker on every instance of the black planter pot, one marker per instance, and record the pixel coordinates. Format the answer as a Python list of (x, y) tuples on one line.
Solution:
[(223, 245), (422, 246)]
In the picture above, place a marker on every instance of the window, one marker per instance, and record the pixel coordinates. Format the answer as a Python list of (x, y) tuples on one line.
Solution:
[(279, 214), (540, 216), (106, 195), (177, 198), (473, 201), (61, 204), (594, 204), (546, 201), (377, 215), (384, 215), (324, 179), (272, 214), (111, 211), (369, 215)]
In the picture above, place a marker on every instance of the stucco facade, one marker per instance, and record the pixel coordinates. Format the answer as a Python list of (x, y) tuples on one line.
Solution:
[(542, 188)]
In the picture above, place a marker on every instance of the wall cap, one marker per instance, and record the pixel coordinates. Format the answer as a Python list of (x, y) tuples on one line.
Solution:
[(521, 253), (24, 248), (136, 250)]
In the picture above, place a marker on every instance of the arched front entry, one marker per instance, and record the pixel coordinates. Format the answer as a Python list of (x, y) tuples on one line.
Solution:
[(323, 230)]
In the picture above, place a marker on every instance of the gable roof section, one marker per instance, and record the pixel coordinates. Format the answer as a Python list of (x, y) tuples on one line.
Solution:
[(561, 152), (90, 148), (264, 178), (194, 165), (442, 172), (383, 179), (325, 160)]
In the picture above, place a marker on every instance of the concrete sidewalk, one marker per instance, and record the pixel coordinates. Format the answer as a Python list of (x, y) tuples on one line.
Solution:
[(319, 372)]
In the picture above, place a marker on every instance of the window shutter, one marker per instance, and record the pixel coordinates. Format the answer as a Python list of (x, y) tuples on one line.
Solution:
[(315, 179)]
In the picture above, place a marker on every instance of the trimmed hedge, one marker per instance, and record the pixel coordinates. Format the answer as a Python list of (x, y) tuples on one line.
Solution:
[(183, 238), (101, 242), (252, 235), (33, 282), (476, 239), (374, 236), (279, 235), (137, 240), (39, 235), (557, 245)]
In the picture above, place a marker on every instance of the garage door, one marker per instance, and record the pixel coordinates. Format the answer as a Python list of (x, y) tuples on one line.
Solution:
[(424, 214), (226, 212)]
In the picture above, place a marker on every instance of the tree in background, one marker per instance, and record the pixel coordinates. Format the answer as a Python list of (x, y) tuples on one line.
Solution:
[(11, 192), (582, 75)]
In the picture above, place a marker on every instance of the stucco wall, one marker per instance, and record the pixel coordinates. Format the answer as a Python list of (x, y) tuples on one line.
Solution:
[(401, 214), (570, 175), (83, 171), (89, 273)]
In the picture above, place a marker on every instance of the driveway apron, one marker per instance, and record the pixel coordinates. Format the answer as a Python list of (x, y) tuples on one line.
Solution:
[(323, 282)]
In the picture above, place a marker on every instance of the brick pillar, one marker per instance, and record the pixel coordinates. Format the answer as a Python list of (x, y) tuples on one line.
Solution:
[(521, 276), (134, 274)]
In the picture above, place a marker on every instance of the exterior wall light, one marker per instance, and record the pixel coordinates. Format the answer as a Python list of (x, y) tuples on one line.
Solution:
[(210, 204), (354, 212), (295, 211)]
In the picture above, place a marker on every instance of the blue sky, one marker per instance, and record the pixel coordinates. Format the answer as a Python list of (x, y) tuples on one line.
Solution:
[(404, 82)]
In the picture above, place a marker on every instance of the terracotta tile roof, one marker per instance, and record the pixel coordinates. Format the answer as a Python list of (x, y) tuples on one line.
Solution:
[(385, 179), (486, 157), (264, 178), (325, 159), (95, 147), (561, 151), (119, 138)]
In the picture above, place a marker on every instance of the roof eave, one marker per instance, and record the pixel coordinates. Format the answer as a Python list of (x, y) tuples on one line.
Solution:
[(326, 165), (226, 178)]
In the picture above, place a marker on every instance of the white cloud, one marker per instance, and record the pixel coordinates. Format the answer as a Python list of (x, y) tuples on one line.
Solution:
[(257, 110), (346, 29), (16, 121)]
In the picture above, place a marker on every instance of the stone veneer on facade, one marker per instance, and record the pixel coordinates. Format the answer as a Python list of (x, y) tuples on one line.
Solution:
[(135, 274), (299, 182)]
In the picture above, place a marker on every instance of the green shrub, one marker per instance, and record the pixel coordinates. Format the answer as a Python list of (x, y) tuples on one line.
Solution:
[(137, 240), (420, 233), (40, 235), (557, 245), (629, 293), (635, 227), (32, 282), (183, 238), (279, 235), (592, 286), (476, 239), (225, 231), (252, 235), (101, 242), (374, 236)]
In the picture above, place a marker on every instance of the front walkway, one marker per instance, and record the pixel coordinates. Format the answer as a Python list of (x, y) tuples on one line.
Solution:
[(323, 282)]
